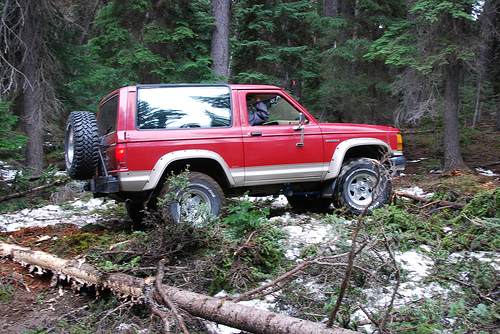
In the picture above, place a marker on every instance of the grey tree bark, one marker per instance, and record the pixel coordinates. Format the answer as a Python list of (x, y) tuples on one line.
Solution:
[(221, 11), (31, 101), (452, 154), (330, 8), (28, 69), (488, 42)]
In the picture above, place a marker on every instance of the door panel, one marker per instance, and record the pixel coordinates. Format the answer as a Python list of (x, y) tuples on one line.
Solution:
[(277, 152)]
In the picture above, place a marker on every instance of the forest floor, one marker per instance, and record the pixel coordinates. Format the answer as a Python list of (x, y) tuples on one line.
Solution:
[(32, 303)]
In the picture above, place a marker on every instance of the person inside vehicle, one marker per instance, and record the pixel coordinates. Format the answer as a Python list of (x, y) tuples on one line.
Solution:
[(257, 110)]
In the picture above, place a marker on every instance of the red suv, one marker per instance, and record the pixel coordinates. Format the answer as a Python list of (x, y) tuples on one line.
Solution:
[(145, 133)]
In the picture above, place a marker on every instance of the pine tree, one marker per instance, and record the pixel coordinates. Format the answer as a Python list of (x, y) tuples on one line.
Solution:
[(221, 11), (29, 70)]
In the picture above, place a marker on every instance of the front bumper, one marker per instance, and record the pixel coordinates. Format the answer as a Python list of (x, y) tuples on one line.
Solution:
[(398, 164)]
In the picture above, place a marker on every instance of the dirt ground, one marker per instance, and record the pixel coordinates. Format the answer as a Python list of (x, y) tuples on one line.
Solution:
[(29, 301), (34, 302)]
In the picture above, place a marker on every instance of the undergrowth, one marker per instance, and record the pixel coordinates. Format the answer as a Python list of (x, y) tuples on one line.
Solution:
[(237, 252)]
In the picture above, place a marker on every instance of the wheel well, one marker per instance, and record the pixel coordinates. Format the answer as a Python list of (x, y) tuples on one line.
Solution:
[(368, 151), (207, 166)]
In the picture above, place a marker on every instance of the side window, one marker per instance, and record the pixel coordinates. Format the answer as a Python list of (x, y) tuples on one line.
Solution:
[(170, 107), (108, 111), (278, 110)]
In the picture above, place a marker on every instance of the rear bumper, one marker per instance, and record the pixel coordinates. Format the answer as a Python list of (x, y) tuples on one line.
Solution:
[(103, 185)]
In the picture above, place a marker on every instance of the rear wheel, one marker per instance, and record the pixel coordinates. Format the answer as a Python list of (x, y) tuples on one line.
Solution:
[(203, 193), (136, 213), (357, 186), (82, 144)]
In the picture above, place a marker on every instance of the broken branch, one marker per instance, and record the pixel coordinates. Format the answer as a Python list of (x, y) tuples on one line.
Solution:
[(32, 190), (453, 205)]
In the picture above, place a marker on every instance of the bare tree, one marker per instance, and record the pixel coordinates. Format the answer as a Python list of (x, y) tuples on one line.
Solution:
[(221, 11)]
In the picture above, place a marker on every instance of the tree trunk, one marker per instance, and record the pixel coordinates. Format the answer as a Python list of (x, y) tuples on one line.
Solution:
[(452, 154), (488, 42), (488, 30), (497, 123), (411, 16), (31, 99), (221, 10), (213, 309), (488, 18), (330, 8)]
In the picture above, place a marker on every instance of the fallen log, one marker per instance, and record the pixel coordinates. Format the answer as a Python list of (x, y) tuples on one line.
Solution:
[(218, 310), (453, 205), (32, 190)]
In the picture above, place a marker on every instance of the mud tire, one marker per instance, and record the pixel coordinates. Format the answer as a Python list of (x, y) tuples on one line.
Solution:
[(82, 144), (136, 213), (354, 190), (202, 189)]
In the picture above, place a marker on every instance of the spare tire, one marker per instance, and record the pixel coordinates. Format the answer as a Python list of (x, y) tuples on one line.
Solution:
[(82, 145)]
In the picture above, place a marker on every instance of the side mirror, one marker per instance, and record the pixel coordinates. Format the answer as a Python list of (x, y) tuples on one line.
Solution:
[(302, 119)]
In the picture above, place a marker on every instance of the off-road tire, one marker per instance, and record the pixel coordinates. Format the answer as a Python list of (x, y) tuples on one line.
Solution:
[(202, 189), (354, 189), (136, 213), (82, 144)]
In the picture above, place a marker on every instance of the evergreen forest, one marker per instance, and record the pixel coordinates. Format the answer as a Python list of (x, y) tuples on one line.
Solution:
[(426, 263), (403, 62)]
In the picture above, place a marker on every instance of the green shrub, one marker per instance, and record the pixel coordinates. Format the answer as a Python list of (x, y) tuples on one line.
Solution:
[(11, 142), (478, 225)]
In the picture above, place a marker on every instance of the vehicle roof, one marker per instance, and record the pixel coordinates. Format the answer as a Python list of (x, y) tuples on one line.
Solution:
[(247, 86), (233, 86)]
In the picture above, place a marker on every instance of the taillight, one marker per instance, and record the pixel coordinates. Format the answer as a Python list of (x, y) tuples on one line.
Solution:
[(400, 142), (121, 155)]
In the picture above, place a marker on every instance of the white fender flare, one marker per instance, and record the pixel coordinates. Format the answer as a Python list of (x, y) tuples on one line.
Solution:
[(162, 163), (341, 150)]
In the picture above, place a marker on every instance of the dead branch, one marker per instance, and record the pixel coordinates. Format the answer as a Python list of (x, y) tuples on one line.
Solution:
[(489, 165), (369, 315), (453, 205), (220, 311), (351, 256), (350, 265), (295, 270), (385, 317), (163, 316), (166, 298), (32, 190)]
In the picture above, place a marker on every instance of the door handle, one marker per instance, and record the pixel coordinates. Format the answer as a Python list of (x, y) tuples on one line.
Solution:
[(256, 134)]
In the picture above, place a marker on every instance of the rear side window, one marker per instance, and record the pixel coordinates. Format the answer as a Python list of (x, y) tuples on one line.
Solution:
[(183, 107), (107, 116)]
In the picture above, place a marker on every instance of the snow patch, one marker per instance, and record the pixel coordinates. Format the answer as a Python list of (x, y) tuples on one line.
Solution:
[(72, 213), (416, 191), (485, 172)]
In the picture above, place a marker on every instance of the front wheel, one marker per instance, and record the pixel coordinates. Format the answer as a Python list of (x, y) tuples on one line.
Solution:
[(357, 186), (203, 195)]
